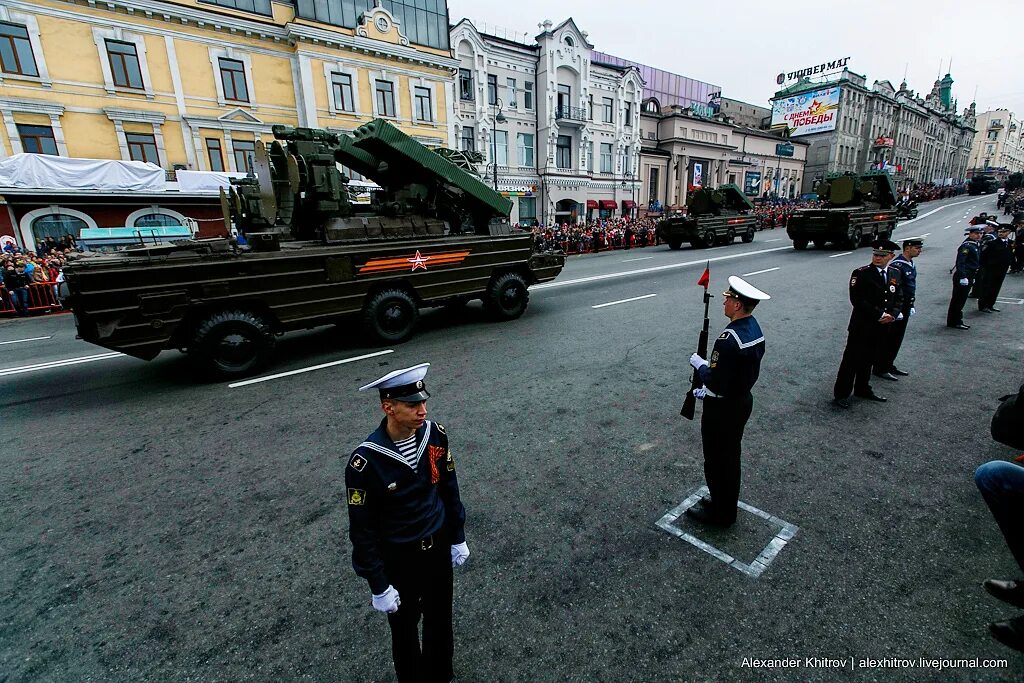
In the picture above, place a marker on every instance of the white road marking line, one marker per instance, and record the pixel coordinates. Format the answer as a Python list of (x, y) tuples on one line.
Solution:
[(643, 258), (947, 227), (653, 269), (959, 222), (624, 301), (309, 369), (758, 272), (925, 234), (925, 215), (58, 363), (845, 253), (1005, 300), (19, 341), (777, 239)]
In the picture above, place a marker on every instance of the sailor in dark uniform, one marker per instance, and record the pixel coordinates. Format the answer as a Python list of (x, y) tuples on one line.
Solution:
[(996, 257), (906, 273), (728, 377), (874, 301), (406, 523), (968, 260)]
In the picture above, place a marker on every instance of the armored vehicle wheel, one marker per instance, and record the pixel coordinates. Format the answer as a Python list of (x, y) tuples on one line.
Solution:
[(819, 244), (390, 316), (799, 245), (748, 236), (675, 243), (709, 238), (506, 296), (232, 343), (730, 236)]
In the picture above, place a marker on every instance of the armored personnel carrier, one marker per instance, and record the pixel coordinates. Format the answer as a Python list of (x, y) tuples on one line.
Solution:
[(857, 210), (434, 235), (713, 216)]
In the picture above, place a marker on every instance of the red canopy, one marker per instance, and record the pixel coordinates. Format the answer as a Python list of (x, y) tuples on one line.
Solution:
[(608, 204), (591, 203), (628, 204)]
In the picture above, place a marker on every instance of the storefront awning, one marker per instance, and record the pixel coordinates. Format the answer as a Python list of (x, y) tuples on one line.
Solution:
[(608, 204), (628, 204), (591, 203)]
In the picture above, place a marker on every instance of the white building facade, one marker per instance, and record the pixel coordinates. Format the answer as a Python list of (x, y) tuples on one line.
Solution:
[(1000, 142)]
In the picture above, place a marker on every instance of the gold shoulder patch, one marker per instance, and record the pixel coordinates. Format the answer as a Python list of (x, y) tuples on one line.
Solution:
[(449, 462), (356, 497), (357, 462)]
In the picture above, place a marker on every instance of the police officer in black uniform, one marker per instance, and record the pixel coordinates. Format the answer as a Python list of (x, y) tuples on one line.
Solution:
[(968, 260), (874, 301), (996, 257), (728, 378), (406, 523), (905, 271)]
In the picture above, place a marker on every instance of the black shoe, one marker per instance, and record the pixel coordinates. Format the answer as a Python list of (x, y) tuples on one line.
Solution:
[(886, 375), (1009, 633), (1011, 592), (901, 373), (985, 310), (704, 514), (872, 397), (960, 326), (841, 403), (993, 309)]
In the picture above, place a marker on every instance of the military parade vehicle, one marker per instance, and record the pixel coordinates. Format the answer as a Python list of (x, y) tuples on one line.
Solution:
[(857, 210), (982, 183), (306, 255), (713, 216)]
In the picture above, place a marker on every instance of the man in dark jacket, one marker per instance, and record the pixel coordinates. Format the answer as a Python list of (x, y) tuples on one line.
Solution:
[(968, 260), (906, 272), (16, 280), (874, 306), (996, 257)]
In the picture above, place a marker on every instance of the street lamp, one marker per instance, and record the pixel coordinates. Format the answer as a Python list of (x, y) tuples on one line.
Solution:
[(628, 175), (498, 118)]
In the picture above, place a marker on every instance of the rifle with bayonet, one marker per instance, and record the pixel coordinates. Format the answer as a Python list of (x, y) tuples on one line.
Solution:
[(690, 402)]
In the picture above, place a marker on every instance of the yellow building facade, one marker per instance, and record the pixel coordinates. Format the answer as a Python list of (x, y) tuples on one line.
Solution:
[(195, 84)]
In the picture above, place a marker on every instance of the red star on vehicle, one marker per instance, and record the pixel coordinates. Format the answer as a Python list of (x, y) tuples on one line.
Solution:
[(418, 261)]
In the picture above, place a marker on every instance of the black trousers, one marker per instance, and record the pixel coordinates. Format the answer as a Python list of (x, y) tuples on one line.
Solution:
[(721, 434), (862, 348), (955, 314), (990, 287), (891, 341), (423, 579)]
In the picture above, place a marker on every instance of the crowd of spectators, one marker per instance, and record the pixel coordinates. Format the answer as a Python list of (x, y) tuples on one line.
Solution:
[(25, 269), (926, 192), (593, 236)]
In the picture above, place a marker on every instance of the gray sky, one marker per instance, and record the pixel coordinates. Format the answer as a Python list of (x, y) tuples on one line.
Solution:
[(742, 45)]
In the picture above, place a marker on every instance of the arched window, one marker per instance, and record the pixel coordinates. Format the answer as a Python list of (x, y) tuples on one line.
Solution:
[(156, 220), (569, 41), (57, 226)]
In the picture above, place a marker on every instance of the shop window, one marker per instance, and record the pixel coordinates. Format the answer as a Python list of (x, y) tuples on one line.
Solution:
[(232, 78), (37, 139), (528, 211), (244, 153), (142, 147), (124, 64), (215, 154), (341, 88), (16, 50), (156, 220), (57, 226)]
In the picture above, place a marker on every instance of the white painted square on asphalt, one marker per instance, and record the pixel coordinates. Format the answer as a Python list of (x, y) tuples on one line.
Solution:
[(759, 564)]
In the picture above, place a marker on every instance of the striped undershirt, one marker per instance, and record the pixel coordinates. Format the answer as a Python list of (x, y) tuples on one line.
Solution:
[(407, 448)]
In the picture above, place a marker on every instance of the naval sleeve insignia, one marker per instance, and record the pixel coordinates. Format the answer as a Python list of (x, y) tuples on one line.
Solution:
[(449, 462), (358, 463), (724, 335), (356, 497)]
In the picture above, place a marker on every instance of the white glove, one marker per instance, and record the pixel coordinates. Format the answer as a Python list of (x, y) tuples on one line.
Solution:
[(900, 316), (697, 362), (700, 393), (388, 601), (964, 282), (912, 311), (460, 553)]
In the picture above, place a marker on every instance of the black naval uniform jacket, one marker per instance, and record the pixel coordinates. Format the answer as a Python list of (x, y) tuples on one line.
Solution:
[(907, 285), (968, 260), (735, 361), (394, 501), (872, 293), (996, 255)]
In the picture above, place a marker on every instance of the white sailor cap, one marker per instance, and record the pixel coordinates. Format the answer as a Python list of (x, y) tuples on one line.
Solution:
[(402, 385), (744, 291)]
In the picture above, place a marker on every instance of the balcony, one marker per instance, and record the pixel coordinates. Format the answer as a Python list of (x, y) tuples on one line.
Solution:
[(572, 116), (995, 125)]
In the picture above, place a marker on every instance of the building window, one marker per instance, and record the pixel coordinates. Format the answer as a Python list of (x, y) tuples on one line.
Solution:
[(424, 22), (652, 184), (492, 89), (590, 156), (563, 98), (213, 151), (628, 114), (467, 142), (244, 153), (142, 147), (606, 157), (510, 87), (37, 139), (466, 85), (385, 98), (590, 108), (528, 210), (57, 225), (341, 88), (563, 152), (16, 50), (526, 149), (232, 78), (124, 64), (254, 6), (156, 220), (501, 147), (608, 105), (993, 135), (424, 112), (528, 94)]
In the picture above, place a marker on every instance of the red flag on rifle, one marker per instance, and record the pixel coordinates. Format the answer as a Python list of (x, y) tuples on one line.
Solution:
[(705, 279)]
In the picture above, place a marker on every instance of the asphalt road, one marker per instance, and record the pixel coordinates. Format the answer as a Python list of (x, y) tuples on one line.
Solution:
[(158, 529)]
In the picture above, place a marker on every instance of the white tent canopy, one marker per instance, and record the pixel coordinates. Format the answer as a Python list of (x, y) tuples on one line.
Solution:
[(48, 172), (205, 181)]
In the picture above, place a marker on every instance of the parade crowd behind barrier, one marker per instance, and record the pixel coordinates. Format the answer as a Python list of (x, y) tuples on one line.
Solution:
[(31, 278)]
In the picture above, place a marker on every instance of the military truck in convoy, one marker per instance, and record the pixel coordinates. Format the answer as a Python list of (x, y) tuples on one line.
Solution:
[(857, 210), (712, 217), (982, 183), (434, 235)]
